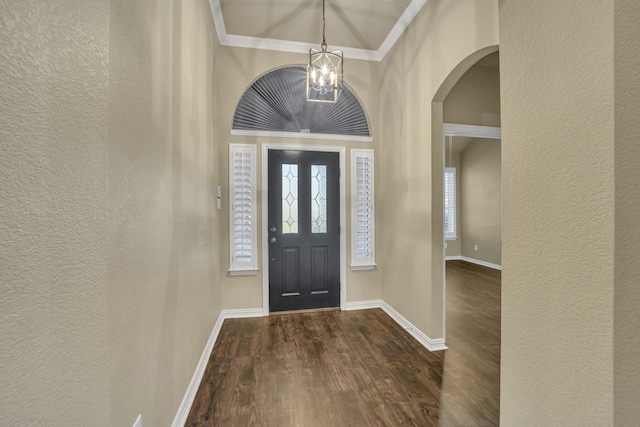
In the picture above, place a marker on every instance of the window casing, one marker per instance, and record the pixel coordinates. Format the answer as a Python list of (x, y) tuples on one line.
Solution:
[(362, 210), (242, 209), (450, 203)]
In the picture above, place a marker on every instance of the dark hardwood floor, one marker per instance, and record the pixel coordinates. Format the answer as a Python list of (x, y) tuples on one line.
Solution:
[(359, 368)]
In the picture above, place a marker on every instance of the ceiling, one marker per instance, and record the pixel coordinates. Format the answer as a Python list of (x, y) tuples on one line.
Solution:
[(363, 29)]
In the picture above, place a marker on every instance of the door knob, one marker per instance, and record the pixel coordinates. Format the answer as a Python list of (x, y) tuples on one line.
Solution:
[(273, 240)]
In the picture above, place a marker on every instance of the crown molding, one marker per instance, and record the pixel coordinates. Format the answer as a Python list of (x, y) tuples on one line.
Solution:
[(235, 40), (405, 19), (291, 46)]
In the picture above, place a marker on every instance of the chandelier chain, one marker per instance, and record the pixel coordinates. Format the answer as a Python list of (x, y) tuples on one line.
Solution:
[(324, 40)]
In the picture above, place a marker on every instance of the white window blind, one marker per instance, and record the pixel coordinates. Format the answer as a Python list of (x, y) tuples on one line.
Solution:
[(450, 203), (362, 210), (242, 209)]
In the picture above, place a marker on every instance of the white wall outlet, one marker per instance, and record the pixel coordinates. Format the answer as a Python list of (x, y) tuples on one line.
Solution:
[(138, 422), (475, 247), (219, 198)]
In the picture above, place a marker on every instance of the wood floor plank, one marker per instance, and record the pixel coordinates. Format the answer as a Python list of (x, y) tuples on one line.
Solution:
[(358, 368)]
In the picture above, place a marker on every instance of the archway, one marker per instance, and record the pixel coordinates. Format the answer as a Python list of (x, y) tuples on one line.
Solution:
[(437, 178)]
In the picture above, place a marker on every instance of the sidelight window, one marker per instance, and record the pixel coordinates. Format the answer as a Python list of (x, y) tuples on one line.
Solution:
[(242, 209), (362, 210)]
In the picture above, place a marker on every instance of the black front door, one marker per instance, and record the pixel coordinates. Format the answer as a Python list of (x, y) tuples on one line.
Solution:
[(304, 230)]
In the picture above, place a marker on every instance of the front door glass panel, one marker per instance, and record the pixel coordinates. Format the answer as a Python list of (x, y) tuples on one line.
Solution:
[(318, 198), (289, 198)]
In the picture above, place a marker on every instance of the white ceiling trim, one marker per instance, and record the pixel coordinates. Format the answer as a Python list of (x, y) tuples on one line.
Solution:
[(292, 46), (405, 19)]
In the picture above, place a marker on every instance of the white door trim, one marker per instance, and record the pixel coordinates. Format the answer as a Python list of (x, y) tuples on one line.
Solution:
[(265, 216), (471, 131), (300, 135)]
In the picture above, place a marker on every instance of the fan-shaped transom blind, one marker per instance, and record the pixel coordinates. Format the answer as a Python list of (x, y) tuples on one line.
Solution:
[(243, 217), (276, 102), (362, 180)]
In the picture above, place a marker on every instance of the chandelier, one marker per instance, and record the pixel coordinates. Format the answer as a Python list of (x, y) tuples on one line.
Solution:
[(324, 71)]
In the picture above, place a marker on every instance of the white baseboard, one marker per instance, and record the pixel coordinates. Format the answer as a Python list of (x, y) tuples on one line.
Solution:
[(453, 258), (190, 395), (242, 313), (480, 262), (428, 343), (363, 305)]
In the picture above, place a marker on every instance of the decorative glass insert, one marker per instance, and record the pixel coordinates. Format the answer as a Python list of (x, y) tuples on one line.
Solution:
[(318, 198), (289, 198)]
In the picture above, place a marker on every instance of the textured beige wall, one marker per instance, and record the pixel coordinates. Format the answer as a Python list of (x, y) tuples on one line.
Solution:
[(475, 99), (238, 68), (54, 364), (627, 230), (480, 196), (164, 247), (442, 35), (558, 210), (109, 243)]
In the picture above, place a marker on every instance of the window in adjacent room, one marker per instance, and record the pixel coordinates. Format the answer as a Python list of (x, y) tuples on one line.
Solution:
[(450, 203)]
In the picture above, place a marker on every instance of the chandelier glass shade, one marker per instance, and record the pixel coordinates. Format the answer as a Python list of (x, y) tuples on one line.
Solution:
[(324, 71)]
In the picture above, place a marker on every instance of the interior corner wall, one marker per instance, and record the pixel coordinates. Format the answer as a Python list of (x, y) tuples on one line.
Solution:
[(441, 36), (627, 231), (54, 364), (236, 69), (480, 200), (108, 242), (557, 93)]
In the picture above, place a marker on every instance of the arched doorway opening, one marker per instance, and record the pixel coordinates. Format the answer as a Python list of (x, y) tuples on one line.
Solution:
[(466, 176), (437, 179)]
